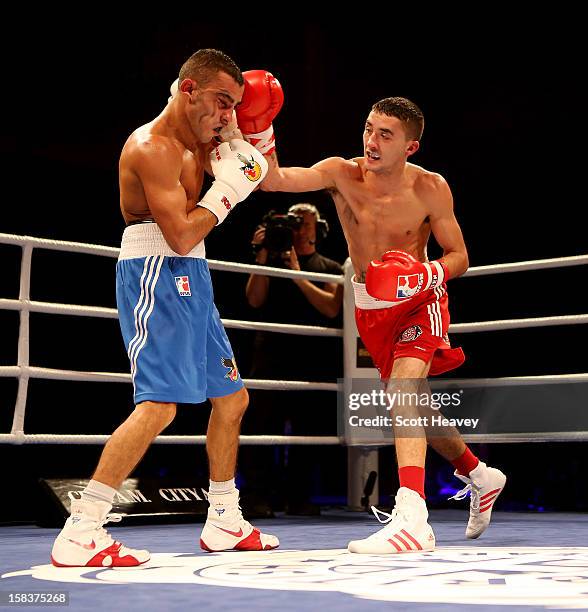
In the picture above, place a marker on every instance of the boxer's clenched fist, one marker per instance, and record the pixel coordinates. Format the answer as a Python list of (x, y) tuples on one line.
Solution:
[(262, 100)]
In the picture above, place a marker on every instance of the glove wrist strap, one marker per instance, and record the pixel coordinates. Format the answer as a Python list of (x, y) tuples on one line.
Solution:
[(264, 142), (219, 202), (436, 274)]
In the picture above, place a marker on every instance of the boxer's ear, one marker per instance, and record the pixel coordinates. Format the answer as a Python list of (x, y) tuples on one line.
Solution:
[(412, 148), (188, 86)]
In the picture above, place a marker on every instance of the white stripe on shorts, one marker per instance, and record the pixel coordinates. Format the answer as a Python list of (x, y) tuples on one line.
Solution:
[(159, 259), (144, 309), (435, 319), (147, 272)]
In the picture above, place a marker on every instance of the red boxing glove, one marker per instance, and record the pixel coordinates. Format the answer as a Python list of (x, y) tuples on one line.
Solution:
[(262, 100), (399, 276)]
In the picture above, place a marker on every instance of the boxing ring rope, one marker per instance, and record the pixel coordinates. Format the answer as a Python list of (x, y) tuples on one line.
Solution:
[(23, 371), (302, 330)]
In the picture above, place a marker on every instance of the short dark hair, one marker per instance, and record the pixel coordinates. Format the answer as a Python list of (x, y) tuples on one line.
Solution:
[(408, 112), (203, 65)]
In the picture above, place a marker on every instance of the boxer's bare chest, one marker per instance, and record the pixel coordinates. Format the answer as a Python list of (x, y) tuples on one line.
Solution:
[(134, 202), (377, 222), (192, 176)]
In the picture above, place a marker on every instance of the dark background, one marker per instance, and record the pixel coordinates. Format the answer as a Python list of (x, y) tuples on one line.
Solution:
[(504, 105)]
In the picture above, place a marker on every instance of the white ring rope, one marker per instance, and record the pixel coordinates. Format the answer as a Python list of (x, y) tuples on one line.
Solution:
[(120, 377), (23, 371), (20, 438), (291, 385), (508, 381), (96, 249), (225, 266), (111, 313), (213, 264), (59, 245), (464, 328), (284, 328), (55, 308), (525, 266)]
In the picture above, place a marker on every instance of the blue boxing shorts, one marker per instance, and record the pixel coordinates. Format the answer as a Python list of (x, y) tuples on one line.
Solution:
[(177, 346)]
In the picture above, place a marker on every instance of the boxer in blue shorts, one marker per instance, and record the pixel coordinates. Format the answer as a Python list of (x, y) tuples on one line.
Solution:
[(177, 347)]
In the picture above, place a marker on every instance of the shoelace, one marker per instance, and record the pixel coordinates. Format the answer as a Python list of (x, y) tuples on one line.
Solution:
[(238, 513), (234, 515), (109, 518), (113, 518), (396, 513), (474, 493), (389, 517)]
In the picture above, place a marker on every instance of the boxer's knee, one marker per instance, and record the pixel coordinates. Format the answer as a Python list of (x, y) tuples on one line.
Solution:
[(410, 367), (231, 407), (238, 404), (156, 415)]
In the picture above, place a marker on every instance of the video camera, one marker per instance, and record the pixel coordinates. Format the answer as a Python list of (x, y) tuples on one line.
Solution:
[(279, 227), (278, 231)]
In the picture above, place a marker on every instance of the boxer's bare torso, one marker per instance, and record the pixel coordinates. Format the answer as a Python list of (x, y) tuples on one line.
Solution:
[(375, 221), (379, 213), (188, 165), (383, 202)]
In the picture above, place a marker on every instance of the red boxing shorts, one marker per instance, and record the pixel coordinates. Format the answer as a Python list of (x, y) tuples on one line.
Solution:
[(414, 328)]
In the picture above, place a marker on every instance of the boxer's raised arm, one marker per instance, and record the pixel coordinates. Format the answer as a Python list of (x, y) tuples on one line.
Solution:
[(237, 167), (158, 166)]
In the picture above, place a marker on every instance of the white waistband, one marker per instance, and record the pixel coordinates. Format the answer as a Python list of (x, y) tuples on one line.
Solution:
[(145, 239), (365, 301)]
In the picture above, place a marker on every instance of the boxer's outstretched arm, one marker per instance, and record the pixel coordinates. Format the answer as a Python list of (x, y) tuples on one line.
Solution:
[(445, 227), (320, 176)]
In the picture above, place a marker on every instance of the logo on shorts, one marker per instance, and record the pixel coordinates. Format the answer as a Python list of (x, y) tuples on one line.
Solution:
[(408, 285), (410, 333), (233, 373), (251, 169), (183, 285)]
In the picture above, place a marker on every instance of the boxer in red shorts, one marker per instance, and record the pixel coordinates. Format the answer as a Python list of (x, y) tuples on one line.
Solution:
[(388, 209)]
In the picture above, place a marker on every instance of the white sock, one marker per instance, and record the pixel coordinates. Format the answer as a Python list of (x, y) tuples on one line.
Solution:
[(220, 488), (97, 491)]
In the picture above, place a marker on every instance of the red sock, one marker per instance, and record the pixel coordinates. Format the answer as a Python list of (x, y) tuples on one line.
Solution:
[(466, 462), (413, 477)]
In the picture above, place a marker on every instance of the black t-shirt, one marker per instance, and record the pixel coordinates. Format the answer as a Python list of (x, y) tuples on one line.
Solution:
[(288, 356), (285, 301)]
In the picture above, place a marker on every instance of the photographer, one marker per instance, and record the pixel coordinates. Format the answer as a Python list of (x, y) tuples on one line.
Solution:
[(290, 241)]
